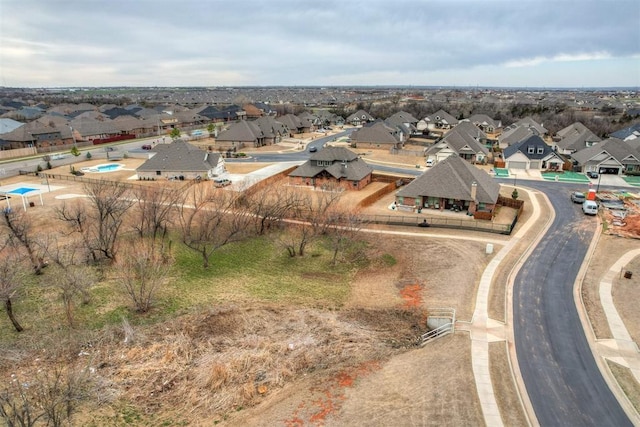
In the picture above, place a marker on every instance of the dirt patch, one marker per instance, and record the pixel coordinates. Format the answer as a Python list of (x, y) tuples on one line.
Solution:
[(627, 382), (609, 250), (504, 388)]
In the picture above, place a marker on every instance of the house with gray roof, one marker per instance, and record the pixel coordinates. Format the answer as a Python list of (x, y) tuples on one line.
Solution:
[(440, 120), (465, 141), (451, 184), (573, 138), (331, 167), (627, 134), (359, 118), (181, 160), (512, 135), (240, 134), (272, 129), (611, 156), (532, 153), (292, 122), (485, 123), (7, 125), (377, 135), (90, 129), (37, 134)]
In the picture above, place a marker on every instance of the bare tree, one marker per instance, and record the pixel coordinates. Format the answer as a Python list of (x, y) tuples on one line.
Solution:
[(143, 269), (73, 281), (344, 226), (154, 208), (50, 395), (12, 277), (18, 228), (109, 201), (269, 205), (209, 219), (308, 220)]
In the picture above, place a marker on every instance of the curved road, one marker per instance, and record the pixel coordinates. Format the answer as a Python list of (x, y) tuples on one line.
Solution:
[(563, 382)]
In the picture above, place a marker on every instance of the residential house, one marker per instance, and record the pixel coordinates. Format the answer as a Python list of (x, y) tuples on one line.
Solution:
[(240, 134), (292, 122), (377, 135), (88, 129), (331, 167), (627, 134), (465, 141), (272, 129), (252, 112), (7, 125), (486, 124), (36, 134), (439, 121), (528, 122), (611, 156), (359, 118), (181, 160), (405, 122), (452, 184), (574, 138), (532, 153)]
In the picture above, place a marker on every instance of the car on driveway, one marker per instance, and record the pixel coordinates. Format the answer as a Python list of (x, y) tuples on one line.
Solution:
[(592, 174), (578, 197), (589, 207), (221, 182)]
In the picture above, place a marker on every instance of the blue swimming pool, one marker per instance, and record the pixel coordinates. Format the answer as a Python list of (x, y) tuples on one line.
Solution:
[(107, 168), (21, 190)]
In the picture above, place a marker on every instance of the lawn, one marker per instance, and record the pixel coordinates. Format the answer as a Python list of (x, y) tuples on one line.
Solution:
[(632, 180), (565, 176)]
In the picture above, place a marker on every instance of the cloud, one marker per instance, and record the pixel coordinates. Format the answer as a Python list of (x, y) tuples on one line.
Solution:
[(280, 42)]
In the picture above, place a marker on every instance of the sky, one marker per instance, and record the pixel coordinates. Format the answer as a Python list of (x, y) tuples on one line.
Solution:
[(486, 43)]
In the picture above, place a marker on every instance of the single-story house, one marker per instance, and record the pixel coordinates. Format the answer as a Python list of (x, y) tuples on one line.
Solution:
[(377, 135), (451, 184), (333, 166), (465, 141), (181, 160), (239, 134), (611, 156), (359, 118), (532, 153)]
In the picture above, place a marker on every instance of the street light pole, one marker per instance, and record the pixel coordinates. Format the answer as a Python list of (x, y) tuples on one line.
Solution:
[(599, 176), (515, 180)]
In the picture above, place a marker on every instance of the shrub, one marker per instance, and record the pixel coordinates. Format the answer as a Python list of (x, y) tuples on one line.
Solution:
[(88, 155)]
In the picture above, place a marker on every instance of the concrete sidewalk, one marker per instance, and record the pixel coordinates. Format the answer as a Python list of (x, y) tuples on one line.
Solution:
[(484, 330)]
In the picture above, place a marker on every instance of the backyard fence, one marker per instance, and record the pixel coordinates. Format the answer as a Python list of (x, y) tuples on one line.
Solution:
[(438, 221)]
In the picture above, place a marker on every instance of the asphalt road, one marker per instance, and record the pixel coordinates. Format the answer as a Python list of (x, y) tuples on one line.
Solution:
[(562, 379)]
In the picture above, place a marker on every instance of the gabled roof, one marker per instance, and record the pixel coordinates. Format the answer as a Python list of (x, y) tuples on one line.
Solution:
[(513, 135), (290, 121), (576, 141), (360, 115), (345, 164), (378, 133), (462, 139), (180, 156), (8, 125), (631, 132), (87, 126), (271, 127), (528, 122), (620, 150), (243, 131), (402, 117), (535, 143), (442, 116), (452, 178), (572, 129), (484, 120), (129, 123)]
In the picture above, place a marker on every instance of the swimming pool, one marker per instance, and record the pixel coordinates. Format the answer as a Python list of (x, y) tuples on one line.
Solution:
[(21, 190), (107, 167)]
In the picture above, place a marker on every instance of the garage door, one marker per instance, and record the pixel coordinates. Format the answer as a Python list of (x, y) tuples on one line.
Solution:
[(517, 165), (534, 164), (610, 171)]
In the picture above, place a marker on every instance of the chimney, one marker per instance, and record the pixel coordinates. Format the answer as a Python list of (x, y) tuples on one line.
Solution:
[(474, 191)]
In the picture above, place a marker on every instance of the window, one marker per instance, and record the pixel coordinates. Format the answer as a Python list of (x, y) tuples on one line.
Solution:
[(530, 150), (540, 150)]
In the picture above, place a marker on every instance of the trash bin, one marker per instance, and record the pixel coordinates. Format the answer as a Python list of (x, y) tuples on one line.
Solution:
[(628, 274), (31, 204)]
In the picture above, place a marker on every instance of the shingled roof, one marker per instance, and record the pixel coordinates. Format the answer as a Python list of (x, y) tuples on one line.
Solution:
[(180, 156), (345, 164), (451, 179)]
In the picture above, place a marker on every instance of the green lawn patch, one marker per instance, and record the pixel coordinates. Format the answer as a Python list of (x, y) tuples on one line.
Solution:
[(565, 177), (501, 172), (632, 180)]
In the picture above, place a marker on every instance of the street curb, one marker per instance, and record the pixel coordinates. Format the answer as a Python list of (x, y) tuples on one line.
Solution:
[(606, 373)]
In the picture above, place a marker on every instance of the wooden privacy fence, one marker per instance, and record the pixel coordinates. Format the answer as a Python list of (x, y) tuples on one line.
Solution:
[(437, 221)]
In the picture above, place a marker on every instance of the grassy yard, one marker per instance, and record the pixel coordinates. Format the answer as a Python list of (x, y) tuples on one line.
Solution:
[(254, 270), (565, 176), (632, 180)]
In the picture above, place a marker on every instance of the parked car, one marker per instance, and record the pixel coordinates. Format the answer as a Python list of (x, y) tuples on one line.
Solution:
[(147, 147), (221, 182), (429, 163), (592, 174), (313, 149), (589, 207), (578, 197)]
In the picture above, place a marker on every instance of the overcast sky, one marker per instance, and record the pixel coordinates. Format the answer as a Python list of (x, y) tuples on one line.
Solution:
[(532, 43)]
